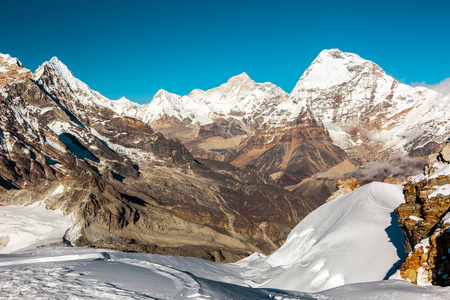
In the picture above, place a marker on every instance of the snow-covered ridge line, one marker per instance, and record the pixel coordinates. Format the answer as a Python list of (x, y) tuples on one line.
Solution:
[(338, 87)]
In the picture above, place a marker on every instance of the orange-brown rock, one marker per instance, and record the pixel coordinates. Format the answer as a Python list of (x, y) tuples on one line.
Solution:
[(11, 70), (392, 180), (416, 260), (291, 152), (428, 262), (425, 224), (344, 187)]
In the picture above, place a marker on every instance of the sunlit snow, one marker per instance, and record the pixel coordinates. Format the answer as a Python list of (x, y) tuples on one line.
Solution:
[(350, 240)]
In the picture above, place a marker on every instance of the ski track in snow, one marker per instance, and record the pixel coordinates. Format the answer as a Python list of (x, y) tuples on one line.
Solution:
[(60, 282)]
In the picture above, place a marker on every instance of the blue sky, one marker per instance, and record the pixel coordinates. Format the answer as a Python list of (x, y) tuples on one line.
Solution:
[(134, 48)]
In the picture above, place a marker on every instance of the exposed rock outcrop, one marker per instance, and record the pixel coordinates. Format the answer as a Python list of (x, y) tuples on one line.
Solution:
[(425, 220), (392, 180), (423, 210), (344, 187), (289, 151)]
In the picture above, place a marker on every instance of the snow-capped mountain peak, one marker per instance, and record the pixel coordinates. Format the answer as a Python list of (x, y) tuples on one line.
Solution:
[(61, 70), (196, 92), (240, 79), (167, 105), (63, 79), (8, 60), (11, 70), (334, 67), (125, 107), (346, 90), (122, 100), (239, 96)]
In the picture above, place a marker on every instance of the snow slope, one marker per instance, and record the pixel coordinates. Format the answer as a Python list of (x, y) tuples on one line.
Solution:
[(352, 239), (77, 273), (349, 240), (27, 227)]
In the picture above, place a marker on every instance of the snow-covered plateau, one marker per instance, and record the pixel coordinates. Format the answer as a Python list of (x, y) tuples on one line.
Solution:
[(346, 249)]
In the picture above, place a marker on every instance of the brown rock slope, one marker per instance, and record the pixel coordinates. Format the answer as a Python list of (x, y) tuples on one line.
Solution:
[(128, 187), (291, 151)]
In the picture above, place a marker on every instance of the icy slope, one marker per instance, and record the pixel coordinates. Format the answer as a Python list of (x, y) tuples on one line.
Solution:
[(351, 239), (27, 227)]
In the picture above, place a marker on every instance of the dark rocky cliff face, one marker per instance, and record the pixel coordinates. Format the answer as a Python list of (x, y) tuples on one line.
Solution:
[(129, 187), (425, 220)]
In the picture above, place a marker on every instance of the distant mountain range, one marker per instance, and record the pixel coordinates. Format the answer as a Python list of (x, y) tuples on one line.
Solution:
[(346, 92), (341, 100)]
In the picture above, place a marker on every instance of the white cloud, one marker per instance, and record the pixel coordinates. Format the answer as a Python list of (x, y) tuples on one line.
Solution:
[(441, 87)]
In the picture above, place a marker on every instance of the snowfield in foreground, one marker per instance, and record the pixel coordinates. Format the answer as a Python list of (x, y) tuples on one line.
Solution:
[(27, 227), (332, 254)]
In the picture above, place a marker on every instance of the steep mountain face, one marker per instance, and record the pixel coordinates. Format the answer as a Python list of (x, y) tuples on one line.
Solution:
[(128, 186), (368, 111), (289, 151)]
